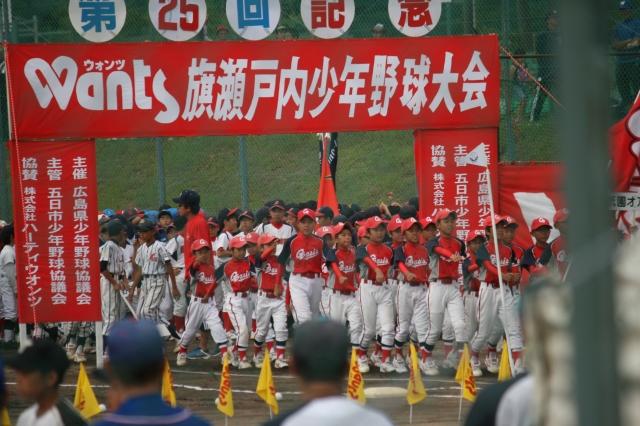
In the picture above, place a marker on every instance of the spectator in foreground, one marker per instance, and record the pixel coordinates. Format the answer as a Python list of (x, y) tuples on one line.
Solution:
[(39, 371), (320, 361), (135, 367), (626, 41)]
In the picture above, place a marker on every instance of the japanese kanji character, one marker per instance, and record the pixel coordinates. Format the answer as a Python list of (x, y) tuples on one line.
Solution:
[(253, 13), (80, 227), (55, 227), (414, 13), (59, 299), (55, 204), (55, 192), (383, 75), (199, 89), (80, 191), (81, 251), (80, 203), (353, 84), (437, 161), (82, 263), (29, 190), (327, 14), (83, 299), (232, 84), (80, 215), (320, 81), (475, 84), (83, 287), (461, 178), (414, 83), (264, 84), (288, 88), (444, 79), (81, 240), (93, 14)]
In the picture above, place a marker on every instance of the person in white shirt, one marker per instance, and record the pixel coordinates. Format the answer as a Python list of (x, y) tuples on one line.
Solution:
[(277, 226), (8, 282), (319, 359)]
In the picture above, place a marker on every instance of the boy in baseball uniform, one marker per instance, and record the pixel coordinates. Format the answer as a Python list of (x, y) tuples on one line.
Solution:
[(113, 278), (8, 287), (202, 308)]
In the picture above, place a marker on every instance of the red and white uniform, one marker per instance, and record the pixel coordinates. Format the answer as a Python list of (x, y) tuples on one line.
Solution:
[(412, 301), (344, 305), (202, 308), (307, 254), (559, 258), (268, 305), (239, 275)]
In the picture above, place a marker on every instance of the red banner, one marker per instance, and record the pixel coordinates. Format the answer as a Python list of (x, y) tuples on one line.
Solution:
[(528, 191), (225, 88), (57, 260), (444, 181)]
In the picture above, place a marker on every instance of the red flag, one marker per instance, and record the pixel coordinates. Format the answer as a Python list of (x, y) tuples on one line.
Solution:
[(624, 162), (327, 192)]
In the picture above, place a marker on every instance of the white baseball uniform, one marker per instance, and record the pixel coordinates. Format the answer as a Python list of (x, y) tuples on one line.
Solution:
[(111, 260), (152, 258)]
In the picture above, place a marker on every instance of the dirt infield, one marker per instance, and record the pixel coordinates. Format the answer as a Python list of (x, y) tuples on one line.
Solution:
[(196, 387)]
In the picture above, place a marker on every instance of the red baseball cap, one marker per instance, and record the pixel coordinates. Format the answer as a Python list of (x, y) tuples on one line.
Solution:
[(306, 213), (213, 222), (232, 212), (408, 223), (266, 239), (445, 213), (277, 204), (199, 244), (394, 223), (510, 221), (238, 241), (324, 230), (538, 223), (338, 228), (373, 222), (362, 232), (427, 221), (252, 237), (472, 235), (561, 216)]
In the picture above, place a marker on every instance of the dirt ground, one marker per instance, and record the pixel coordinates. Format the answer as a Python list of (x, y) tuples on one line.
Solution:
[(196, 387)]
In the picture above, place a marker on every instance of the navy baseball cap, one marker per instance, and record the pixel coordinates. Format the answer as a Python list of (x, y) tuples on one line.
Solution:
[(188, 197), (625, 5), (134, 343), (145, 226), (114, 228), (325, 212)]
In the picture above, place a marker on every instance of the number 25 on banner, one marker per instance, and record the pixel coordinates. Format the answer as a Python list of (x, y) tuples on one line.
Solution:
[(178, 20)]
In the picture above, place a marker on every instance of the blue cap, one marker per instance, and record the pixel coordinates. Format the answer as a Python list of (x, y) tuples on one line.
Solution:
[(109, 212), (133, 343), (625, 5)]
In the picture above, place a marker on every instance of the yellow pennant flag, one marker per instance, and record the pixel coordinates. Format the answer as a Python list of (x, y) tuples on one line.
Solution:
[(504, 372), (168, 394), (355, 385), (266, 389), (415, 390), (85, 400), (224, 402), (464, 376), (4, 417)]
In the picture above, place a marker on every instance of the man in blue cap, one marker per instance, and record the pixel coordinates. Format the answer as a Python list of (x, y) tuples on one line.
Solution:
[(135, 367), (626, 41)]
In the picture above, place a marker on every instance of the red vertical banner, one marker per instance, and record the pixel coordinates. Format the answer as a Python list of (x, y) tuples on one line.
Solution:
[(445, 181), (57, 259)]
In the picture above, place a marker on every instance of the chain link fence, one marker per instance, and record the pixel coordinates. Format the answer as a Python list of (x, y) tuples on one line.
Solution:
[(371, 165)]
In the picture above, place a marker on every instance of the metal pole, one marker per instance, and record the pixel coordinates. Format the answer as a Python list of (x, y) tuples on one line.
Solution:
[(506, 31), (162, 189), (244, 178), (584, 142), (5, 207)]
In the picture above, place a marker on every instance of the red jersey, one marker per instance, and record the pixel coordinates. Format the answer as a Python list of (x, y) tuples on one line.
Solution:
[(559, 255), (488, 253), (195, 229), (205, 279), (415, 258), (380, 254), (440, 249), (346, 261), (240, 274), (271, 272), (306, 253), (471, 273)]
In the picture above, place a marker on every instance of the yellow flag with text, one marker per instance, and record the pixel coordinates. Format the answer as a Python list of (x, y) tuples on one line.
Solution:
[(266, 389), (168, 394), (355, 385), (84, 400), (225, 396), (504, 372), (415, 391), (464, 376), (4, 418)]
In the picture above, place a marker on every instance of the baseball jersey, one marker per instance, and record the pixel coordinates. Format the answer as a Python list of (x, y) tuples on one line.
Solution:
[(175, 247), (380, 254), (559, 258), (195, 229), (306, 253), (471, 279), (151, 258), (443, 268), (204, 277), (128, 259), (270, 271), (282, 231), (487, 253), (239, 274), (8, 265), (536, 256), (345, 259), (222, 242), (112, 257), (518, 254), (416, 259)]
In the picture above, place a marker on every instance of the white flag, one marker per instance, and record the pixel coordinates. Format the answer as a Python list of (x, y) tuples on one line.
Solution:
[(477, 157)]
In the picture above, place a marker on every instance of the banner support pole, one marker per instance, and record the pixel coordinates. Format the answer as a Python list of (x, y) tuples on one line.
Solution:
[(99, 346), (23, 338)]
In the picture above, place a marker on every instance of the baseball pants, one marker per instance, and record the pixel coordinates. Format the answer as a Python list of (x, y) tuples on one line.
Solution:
[(238, 309), (8, 297), (377, 304), (412, 309), (346, 308), (180, 304), (441, 297), (470, 300), (199, 313), (153, 288), (448, 335), (325, 302), (166, 304), (490, 310), (516, 325), (306, 294), (267, 308), (111, 305)]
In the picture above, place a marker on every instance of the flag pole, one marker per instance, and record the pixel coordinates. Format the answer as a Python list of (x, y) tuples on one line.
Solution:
[(270, 413), (226, 420), (499, 267), (460, 403), (410, 414)]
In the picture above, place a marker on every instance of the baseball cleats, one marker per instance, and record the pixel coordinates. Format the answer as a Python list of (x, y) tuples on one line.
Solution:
[(399, 365), (243, 364), (181, 359), (387, 366), (258, 360), (429, 367), (280, 363), (475, 367), (363, 364), (491, 362)]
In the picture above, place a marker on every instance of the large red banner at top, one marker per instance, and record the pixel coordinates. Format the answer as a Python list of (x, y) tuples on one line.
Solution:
[(223, 88), (57, 259)]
